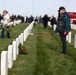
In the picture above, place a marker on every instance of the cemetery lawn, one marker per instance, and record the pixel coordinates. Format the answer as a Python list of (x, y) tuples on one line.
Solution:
[(15, 31), (43, 58)]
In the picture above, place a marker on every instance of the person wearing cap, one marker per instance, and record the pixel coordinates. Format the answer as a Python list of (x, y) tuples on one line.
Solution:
[(6, 19), (63, 27)]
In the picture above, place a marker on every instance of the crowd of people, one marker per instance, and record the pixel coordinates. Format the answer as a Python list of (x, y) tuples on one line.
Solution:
[(25, 19)]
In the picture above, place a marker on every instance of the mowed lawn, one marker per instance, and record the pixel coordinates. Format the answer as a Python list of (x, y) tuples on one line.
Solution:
[(43, 58), (15, 31)]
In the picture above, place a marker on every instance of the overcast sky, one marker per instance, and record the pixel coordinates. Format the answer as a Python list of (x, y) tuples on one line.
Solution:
[(36, 7)]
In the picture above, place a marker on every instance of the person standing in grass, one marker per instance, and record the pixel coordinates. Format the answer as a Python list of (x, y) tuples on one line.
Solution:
[(63, 27), (45, 21), (6, 19), (53, 21)]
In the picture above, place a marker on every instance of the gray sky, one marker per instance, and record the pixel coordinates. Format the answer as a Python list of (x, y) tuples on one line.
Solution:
[(36, 7)]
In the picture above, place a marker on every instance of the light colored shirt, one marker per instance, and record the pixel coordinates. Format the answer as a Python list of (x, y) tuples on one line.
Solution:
[(5, 20)]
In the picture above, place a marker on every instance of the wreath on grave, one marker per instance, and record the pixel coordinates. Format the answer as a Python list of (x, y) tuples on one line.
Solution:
[(7, 29), (22, 49)]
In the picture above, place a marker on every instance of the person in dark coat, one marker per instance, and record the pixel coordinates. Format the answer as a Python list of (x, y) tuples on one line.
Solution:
[(31, 19), (45, 21), (63, 27), (53, 21), (22, 19)]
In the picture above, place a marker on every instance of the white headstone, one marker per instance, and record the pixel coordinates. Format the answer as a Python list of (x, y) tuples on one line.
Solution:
[(17, 41), (75, 41), (4, 63), (22, 38), (14, 23), (24, 35), (55, 27), (69, 37), (49, 24), (10, 56), (14, 50)]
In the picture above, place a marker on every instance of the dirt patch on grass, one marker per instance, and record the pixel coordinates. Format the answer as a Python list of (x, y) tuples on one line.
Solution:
[(41, 34)]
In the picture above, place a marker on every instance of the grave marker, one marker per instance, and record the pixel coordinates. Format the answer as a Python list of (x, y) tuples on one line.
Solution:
[(75, 41), (4, 61), (14, 50), (10, 56)]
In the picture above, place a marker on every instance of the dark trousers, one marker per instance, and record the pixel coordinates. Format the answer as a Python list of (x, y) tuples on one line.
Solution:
[(63, 40), (52, 26), (45, 25), (2, 35), (8, 35)]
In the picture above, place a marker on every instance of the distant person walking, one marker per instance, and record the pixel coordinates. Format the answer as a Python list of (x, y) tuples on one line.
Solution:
[(63, 27), (45, 21), (6, 19), (40, 19), (53, 21), (1, 17)]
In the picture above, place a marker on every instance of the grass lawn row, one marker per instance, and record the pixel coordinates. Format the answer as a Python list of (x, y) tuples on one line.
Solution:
[(15, 31), (43, 58)]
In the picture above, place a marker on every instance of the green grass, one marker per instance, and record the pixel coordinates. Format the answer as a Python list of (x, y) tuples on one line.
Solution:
[(43, 56), (15, 31)]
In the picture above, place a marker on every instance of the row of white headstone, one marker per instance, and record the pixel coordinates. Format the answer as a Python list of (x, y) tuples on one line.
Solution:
[(15, 22), (68, 38), (7, 57), (73, 26)]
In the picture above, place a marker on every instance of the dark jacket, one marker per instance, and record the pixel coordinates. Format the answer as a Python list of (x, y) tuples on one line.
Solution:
[(63, 22), (53, 21), (45, 19)]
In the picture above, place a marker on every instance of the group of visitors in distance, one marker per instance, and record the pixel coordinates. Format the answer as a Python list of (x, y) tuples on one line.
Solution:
[(5, 18), (63, 24)]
